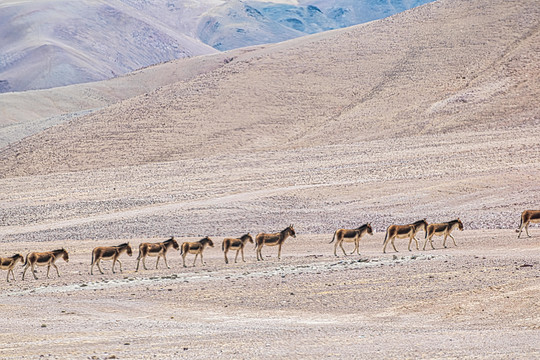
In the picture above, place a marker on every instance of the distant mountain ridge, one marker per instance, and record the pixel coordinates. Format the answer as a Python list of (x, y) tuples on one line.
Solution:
[(54, 43), (240, 23)]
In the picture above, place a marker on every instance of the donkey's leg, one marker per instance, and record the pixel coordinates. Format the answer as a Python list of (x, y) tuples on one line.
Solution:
[(342, 249), (385, 243), (56, 267), (98, 262), (259, 253), (454, 240), (24, 272), (430, 239), (355, 246), (32, 267), (119, 264)]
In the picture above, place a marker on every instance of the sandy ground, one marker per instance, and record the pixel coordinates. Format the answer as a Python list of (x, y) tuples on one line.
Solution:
[(477, 300)]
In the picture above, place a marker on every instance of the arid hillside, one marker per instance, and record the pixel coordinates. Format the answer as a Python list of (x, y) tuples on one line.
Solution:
[(441, 68), (26, 113), (430, 113)]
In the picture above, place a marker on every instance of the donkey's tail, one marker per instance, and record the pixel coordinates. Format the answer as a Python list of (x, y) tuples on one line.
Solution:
[(333, 238), (520, 224)]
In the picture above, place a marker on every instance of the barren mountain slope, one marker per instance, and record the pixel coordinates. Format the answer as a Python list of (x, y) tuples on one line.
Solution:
[(29, 112), (52, 43), (55, 43), (449, 65)]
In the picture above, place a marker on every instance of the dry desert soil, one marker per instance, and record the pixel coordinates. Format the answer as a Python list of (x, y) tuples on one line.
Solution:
[(432, 113), (477, 300)]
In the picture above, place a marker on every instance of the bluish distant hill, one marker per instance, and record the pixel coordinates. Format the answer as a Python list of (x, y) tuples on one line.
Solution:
[(239, 23), (52, 43)]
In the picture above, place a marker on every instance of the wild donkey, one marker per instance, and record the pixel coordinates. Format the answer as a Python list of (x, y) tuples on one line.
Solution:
[(273, 240), (155, 249), (442, 229), (235, 244), (45, 259), (403, 232), (527, 217), (9, 263), (195, 248), (350, 235), (109, 253)]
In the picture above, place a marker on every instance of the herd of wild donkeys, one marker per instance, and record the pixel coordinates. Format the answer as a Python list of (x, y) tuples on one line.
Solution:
[(160, 249)]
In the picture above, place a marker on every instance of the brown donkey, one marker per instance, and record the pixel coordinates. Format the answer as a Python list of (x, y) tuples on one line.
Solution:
[(196, 248), (9, 263), (155, 249), (403, 232), (273, 240), (527, 217), (109, 253), (45, 258), (350, 235), (235, 244), (442, 229)]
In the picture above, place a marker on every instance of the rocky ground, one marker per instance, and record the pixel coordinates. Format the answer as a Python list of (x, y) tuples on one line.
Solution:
[(477, 300)]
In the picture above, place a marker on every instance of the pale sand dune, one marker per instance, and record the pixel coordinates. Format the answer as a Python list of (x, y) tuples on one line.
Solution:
[(429, 114)]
